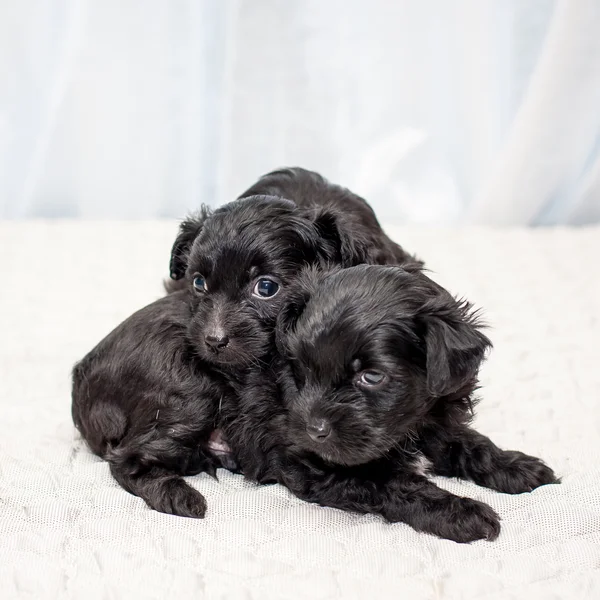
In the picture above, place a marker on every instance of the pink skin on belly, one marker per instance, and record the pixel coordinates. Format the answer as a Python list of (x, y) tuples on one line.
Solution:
[(217, 443)]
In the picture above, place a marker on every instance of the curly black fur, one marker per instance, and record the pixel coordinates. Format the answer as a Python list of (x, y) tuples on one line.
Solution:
[(133, 395), (240, 244), (149, 397), (341, 214), (188, 232), (144, 402), (344, 223), (428, 347)]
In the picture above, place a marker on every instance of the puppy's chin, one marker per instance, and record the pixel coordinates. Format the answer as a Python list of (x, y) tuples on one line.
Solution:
[(342, 457)]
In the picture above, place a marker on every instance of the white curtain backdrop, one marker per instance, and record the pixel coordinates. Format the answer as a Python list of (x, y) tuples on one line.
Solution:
[(484, 111)]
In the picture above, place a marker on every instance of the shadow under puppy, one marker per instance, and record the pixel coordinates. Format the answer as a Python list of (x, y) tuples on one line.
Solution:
[(146, 398), (375, 388)]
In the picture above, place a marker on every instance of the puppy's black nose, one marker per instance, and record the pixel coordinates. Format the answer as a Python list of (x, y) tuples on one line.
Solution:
[(319, 430), (216, 342)]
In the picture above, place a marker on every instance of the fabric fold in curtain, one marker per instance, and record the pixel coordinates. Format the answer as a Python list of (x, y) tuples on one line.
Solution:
[(474, 111)]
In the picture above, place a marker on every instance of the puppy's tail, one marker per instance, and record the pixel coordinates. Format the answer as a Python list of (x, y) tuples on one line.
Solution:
[(162, 490)]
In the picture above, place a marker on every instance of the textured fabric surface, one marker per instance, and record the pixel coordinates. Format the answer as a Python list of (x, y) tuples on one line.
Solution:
[(68, 531)]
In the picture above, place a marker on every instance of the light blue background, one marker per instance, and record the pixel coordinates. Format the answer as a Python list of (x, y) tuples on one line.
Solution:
[(437, 112)]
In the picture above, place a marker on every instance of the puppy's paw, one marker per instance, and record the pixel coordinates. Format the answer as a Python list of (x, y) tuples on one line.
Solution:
[(470, 520), (176, 497), (521, 473)]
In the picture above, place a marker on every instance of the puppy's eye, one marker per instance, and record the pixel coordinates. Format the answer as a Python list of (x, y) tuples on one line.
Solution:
[(371, 378), (265, 288), (200, 284)]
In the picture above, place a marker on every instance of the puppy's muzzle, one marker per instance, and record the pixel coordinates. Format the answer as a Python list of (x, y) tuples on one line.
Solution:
[(319, 430)]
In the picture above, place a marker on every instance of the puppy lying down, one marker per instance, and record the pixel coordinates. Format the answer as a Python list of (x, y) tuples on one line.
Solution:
[(371, 389), (145, 402), (146, 398)]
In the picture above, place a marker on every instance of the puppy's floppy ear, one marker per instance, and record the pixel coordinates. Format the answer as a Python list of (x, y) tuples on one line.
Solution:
[(339, 246), (455, 346), (297, 297), (188, 231)]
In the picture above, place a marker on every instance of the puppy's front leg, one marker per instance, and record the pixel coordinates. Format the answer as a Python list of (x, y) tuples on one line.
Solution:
[(467, 454), (407, 497)]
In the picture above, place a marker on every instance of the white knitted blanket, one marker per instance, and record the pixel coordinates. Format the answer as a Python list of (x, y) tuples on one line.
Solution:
[(68, 531)]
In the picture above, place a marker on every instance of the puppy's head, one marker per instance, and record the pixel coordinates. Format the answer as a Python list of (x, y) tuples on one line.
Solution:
[(372, 352), (238, 265)]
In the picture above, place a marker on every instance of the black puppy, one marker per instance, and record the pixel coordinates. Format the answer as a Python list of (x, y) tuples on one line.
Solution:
[(239, 263), (145, 398), (145, 402), (341, 213), (376, 388), (345, 222)]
